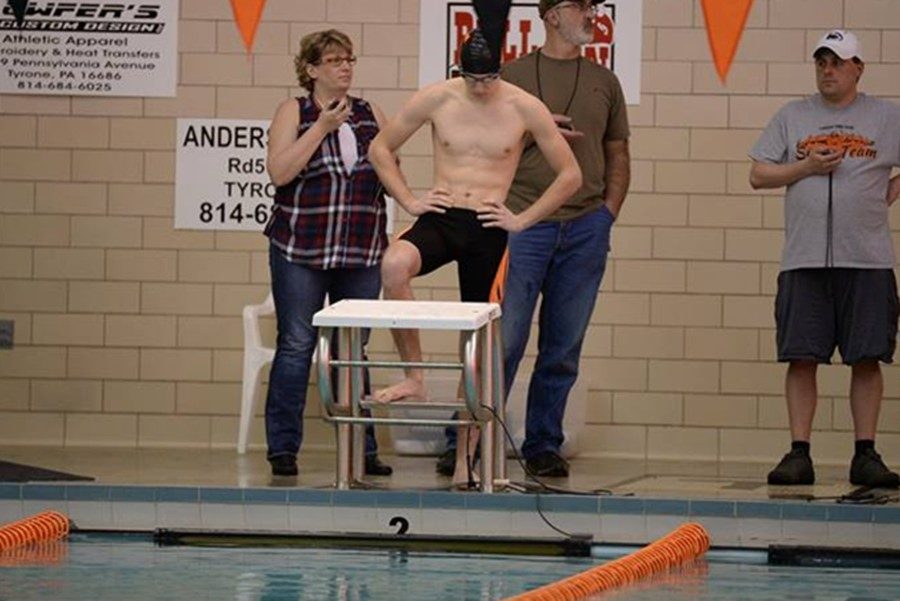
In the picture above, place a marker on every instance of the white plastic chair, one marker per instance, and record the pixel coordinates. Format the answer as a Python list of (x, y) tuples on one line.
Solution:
[(256, 356)]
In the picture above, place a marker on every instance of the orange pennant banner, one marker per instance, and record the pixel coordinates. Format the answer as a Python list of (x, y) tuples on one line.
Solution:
[(246, 15), (725, 20)]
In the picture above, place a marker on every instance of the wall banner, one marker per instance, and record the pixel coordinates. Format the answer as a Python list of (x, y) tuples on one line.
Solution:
[(90, 48), (725, 20), (220, 175), (617, 38), (247, 14)]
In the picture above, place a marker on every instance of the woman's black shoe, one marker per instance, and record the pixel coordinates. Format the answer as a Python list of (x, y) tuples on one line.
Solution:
[(374, 467), (446, 463), (283, 465)]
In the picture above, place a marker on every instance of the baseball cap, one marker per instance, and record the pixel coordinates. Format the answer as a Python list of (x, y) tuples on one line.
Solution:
[(546, 5), (843, 43)]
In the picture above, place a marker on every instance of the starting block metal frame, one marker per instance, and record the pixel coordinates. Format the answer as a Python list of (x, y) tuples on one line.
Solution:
[(481, 364)]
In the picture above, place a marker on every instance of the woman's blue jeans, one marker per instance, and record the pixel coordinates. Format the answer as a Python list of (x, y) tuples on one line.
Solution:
[(299, 292)]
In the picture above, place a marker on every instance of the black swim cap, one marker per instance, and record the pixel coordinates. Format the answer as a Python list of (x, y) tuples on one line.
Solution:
[(476, 56)]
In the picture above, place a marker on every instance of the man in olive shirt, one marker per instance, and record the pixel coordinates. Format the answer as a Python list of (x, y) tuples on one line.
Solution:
[(563, 257)]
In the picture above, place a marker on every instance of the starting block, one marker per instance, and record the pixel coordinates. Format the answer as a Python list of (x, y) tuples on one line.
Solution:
[(481, 364)]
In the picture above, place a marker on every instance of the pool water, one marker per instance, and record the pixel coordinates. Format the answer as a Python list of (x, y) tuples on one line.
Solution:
[(119, 568)]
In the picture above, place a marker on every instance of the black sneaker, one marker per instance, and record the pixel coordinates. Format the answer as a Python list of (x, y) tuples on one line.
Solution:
[(446, 463), (374, 467), (548, 465), (284, 465), (794, 468), (867, 469)]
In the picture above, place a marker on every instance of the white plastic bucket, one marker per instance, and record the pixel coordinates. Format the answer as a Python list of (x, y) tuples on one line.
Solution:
[(429, 440)]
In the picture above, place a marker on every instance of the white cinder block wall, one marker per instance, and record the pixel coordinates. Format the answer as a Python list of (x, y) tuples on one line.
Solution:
[(128, 332)]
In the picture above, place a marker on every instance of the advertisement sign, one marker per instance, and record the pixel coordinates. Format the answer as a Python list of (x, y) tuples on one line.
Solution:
[(220, 175), (445, 24), (90, 48)]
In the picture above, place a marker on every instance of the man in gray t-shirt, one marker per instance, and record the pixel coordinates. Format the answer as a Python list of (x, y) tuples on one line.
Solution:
[(834, 151)]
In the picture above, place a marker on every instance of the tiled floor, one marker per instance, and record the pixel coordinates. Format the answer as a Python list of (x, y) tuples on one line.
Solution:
[(203, 489), (196, 467)]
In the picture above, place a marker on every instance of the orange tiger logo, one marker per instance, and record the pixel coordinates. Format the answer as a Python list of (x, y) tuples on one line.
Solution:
[(849, 145)]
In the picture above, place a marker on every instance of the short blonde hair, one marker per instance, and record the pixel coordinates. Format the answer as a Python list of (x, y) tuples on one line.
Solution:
[(312, 47)]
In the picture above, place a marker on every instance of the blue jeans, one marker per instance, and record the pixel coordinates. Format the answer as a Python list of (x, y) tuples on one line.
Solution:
[(299, 292), (563, 262)]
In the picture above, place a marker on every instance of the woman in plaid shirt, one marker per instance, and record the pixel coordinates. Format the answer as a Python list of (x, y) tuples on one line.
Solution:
[(327, 229)]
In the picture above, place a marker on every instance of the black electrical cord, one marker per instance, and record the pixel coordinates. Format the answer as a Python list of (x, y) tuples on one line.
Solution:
[(470, 461), (829, 225), (864, 495), (525, 487), (541, 485)]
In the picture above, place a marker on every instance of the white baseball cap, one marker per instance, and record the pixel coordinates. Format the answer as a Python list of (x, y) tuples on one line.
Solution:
[(843, 43)]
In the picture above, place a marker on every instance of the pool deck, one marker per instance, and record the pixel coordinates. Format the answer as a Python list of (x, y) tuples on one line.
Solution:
[(144, 489)]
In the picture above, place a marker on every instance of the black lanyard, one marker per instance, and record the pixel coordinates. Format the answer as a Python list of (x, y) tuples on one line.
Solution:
[(537, 73)]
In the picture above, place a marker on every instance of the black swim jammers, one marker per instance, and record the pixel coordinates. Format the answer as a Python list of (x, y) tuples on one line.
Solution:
[(458, 235)]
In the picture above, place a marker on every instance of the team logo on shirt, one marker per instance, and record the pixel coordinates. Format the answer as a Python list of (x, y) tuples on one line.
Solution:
[(850, 145)]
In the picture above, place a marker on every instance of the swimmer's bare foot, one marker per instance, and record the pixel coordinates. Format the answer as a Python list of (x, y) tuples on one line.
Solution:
[(410, 387), (461, 480)]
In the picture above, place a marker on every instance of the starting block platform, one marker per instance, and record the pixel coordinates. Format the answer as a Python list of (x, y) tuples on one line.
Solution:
[(480, 364)]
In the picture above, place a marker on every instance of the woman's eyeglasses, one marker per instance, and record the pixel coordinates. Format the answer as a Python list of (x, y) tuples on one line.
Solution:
[(337, 61)]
